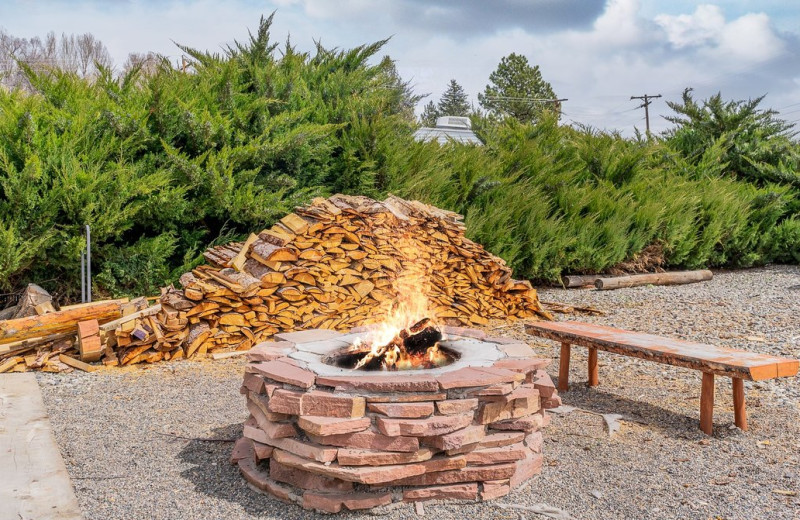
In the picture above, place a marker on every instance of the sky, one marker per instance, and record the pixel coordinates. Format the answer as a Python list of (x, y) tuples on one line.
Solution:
[(595, 53)]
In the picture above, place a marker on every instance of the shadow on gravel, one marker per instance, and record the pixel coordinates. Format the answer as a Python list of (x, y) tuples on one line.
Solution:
[(670, 423), (212, 474)]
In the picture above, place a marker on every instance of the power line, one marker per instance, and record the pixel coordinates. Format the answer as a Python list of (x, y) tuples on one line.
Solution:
[(646, 104)]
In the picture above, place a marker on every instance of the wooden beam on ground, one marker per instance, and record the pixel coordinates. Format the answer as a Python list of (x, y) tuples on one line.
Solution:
[(579, 280), (55, 322), (670, 278), (76, 363)]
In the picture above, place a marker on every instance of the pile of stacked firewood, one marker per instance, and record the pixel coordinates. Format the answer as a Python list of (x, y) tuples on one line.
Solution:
[(336, 263)]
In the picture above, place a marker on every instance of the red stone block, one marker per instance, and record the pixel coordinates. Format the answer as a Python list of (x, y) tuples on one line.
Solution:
[(307, 336), (432, 426), (455, 491), (493, 390), (327, 404), (456, 439), (261, 480), (363, 474), (253, 382), (355, 457), (269, 351), (444, 464), (404, 397), (262, 401), (308, 450), (284, 372), (497, 439), (456, 406), (531, 423), (526, 468), (333, 503), (551, 402), (499, 455), (542, 382), (466, 448), (242, 448), (468, 474), (263, 451), (410, 383), (495, 489), (322, 426), (403, 410), (275, 430), (285, 401), (534, 442), (523, 366), (369, 440), (475, 376), (306, 480)]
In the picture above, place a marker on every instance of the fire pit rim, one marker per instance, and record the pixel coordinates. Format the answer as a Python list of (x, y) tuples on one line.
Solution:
[(474, 353)]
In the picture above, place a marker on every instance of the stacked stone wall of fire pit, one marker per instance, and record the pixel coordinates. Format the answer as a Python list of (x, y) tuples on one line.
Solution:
[(366, 439)]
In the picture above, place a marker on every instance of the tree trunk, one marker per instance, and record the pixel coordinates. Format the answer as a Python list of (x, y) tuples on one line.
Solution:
[(673, 278)]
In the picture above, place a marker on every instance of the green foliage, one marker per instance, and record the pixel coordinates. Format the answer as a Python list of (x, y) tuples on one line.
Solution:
[(517, 90), (757, 145), (453, 102)]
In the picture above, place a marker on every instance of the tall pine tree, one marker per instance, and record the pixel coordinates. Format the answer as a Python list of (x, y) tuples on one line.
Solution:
[(517, 90), (454, 101)]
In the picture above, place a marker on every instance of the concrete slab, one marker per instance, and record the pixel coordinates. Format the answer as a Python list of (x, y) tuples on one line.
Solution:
[(34, 483)]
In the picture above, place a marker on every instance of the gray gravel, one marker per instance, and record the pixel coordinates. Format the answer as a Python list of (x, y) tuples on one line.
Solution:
[(120, 430)]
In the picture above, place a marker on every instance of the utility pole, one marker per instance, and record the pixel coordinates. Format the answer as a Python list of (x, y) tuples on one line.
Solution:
[(646, 103)]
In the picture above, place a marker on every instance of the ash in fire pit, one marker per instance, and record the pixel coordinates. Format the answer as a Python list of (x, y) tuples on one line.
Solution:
[(415, 347)]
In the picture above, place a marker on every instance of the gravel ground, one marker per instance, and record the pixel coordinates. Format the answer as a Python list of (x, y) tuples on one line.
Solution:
[(136, 440)]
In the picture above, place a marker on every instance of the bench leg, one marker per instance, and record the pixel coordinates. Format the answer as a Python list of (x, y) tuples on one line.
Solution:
[(739, 412), (707, 403), (563, 368), (594, 376)]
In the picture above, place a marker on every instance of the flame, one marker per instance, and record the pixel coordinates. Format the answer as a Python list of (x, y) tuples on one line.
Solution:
[(409, 308)]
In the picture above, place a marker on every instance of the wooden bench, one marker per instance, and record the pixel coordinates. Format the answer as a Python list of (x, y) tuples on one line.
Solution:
[(736, 364)]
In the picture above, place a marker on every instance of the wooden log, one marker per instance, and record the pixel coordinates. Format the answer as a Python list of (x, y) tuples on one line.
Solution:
[(670, 278), (89, 345), (579, 280), (55, 322)]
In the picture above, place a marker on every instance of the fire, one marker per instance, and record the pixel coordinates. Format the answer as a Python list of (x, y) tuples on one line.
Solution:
[(406, 338)]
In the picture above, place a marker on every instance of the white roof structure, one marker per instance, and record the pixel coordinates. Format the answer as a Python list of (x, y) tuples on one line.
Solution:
[(449, 129)]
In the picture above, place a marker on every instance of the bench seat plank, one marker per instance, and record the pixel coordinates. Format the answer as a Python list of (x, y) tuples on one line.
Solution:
[(689, 354)]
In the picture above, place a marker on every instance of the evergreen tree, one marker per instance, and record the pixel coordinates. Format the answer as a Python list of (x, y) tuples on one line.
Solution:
[(454, 101), (429, 114), (517, 90)]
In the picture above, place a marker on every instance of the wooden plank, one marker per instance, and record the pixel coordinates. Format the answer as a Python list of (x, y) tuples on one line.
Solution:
[(76, 363), (689, 354), (707, 403), (25, 344), (55, 322)]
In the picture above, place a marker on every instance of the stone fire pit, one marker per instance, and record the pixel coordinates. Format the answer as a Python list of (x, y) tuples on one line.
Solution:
[(331, 438)]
